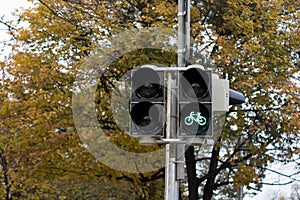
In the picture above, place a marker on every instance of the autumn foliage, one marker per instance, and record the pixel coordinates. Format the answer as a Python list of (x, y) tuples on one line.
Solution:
[(253, 44)]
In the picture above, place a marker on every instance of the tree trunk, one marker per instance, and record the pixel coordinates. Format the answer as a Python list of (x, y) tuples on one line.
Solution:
[(210, 181), (191, 173)]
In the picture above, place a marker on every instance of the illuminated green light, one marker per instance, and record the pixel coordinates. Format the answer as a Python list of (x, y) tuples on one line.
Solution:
[(195, 118)]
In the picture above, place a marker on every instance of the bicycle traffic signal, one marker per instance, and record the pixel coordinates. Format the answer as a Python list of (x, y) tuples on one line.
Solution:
[(200, 98), (195, 102), (147, 102)]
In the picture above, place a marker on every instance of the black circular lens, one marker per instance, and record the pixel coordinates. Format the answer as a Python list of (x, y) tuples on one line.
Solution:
[(147, 117), (194, 83), (148, 91), (146, 83)]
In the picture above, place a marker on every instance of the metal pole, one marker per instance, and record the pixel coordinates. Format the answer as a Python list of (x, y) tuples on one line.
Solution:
[(168, 174), (181, 33), (183, 58), (174, 168), (171, 184), (240, 193)]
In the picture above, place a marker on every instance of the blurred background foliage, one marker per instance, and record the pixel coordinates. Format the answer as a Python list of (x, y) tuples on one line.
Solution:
[(253, 44)]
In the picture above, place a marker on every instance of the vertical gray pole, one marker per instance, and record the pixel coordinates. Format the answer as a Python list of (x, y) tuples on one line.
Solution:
[(174, 167), (240, 193), (171, 184), (181, 33), (183, 58)]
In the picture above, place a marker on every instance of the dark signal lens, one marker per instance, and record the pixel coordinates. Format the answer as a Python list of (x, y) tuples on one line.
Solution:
[(147, 117), (193, 83), (146, 83)]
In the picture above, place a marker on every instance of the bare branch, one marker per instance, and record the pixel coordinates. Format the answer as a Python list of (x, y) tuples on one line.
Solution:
[(286, 183), (3, 163), (204, 158), (10, 28), (284, 175), (56, 14)]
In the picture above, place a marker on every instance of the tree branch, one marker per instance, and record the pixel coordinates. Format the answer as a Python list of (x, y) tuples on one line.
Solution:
[(204, 158), (157, 175), (10, 28), (56, 14), (3, 163), (286, 183), (284, 175)]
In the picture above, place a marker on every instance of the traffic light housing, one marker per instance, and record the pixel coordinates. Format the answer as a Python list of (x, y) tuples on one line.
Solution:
[(202, 99), (147, 105), (195, 102)]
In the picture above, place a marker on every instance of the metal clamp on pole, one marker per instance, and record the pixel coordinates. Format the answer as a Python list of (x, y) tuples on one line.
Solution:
[(183, 13), (181, 50)]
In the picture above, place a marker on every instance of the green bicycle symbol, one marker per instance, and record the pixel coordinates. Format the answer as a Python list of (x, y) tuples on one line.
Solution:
[(195, 117)]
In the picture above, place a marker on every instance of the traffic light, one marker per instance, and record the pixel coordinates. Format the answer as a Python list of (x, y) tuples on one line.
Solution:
[(195, 102), (147, 108), (202, 99)]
